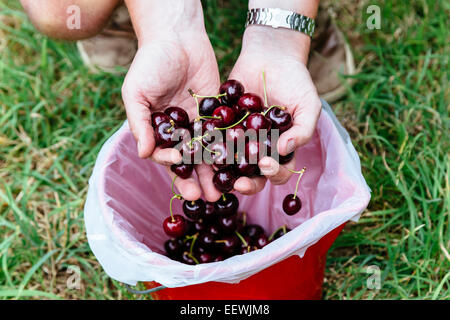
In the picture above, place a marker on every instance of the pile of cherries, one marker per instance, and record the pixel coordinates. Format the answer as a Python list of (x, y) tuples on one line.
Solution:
[(213, 232)]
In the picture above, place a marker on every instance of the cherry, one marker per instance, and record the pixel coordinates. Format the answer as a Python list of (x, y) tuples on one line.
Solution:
[(280, 119), (233, 90), (257, 121), (210, 211), (219, 154), (229, 244), (173, 247), (214, 229), (244, 168), (206, 240), (225, 115), (159, 117), (199, 226), (191, 152), (224, 179), (252, 152), (281, 232), (253, 231), (235, 134), (250, 102), (163, 134), (218, 258), (228, 224), (208, 127), (196, 128), (285, 159), (174, 226), (261, 241), (227, 205), (291, 204), (186, 258), (194, 210), (190, 228), (205, 257), (184, 171), (178, 115), (208, 105)]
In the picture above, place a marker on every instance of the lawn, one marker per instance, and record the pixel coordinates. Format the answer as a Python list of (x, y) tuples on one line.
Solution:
[(55, 116)]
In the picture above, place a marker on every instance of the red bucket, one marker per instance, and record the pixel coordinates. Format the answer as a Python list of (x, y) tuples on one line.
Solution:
[(294, 278)]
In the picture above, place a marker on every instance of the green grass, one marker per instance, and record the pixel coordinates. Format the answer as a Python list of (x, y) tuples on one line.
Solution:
[(55, 116)]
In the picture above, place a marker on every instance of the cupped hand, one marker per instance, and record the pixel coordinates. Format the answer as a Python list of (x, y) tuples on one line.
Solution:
[(160, 75), (282, 55)]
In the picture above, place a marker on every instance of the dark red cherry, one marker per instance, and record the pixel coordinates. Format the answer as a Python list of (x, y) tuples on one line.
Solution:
[(200, 226), (187, 258), (253, 231), (173, 247), (280, 119), (163, 135), (174, 227), (229, 244), (219, 155), (209, 126), (281, 232), (191, 152), (225, 116), (210, 212), (208, 105), (228, 224), (250, 102), (285, 159), (233, 89), (158, 117), (205, 257), (190, 228), (218, 258), (214, 229), (252, 152), (184, 171), (207, 240), (224, 179), (243, 168), (195, 209), (261, 241), (235, 134), (291, 204), (228, 204), (178, 115), (257, 121), (196, 128)]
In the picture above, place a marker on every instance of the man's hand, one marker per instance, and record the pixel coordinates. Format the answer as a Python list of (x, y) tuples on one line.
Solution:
[(174, 54), (282, 54)]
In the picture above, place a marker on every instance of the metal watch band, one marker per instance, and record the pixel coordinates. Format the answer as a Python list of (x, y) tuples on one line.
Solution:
[(278, 18)]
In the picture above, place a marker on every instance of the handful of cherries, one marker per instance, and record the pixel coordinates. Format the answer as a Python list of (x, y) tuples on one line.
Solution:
[(213, 232)]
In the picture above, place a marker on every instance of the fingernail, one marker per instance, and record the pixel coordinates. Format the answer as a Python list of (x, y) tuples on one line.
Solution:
[(290, 145)]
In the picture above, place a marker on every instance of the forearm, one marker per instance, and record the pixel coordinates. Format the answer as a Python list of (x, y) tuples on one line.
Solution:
[(155, 18), (292, 42)]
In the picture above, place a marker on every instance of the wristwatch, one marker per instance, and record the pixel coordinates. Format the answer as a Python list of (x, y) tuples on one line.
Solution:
[(279, 18)]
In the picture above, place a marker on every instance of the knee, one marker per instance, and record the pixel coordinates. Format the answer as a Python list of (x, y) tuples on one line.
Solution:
[(69, 19)]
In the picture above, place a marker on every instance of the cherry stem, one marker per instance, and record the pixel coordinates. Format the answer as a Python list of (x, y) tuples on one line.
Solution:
[(241, 238), (223, 197), (201, 143), (271, 107), (244, 218), (192, 93), (220, 241), (175, 196), (172, 188), (193, 258), (191, 248), (235, 124), (301, 172), (208, 117), (283, 227), (265, 90)]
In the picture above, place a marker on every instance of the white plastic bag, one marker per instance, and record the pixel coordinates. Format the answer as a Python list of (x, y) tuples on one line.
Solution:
[(128, 199)]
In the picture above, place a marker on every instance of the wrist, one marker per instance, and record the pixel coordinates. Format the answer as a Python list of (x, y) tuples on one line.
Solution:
[(153, 19), (267, 40), (305, 7)]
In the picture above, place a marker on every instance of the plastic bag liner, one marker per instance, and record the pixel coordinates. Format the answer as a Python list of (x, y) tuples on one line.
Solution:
[(128, 199)]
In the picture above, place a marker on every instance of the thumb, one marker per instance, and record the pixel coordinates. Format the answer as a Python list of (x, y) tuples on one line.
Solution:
[(304, 124), (139, 119)]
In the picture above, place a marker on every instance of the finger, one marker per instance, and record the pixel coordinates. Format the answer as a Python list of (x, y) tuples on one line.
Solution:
[(139, 119), (166, 157), (188, 188), (205, 175), (276, 173), (250, 186), (304, 123)]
